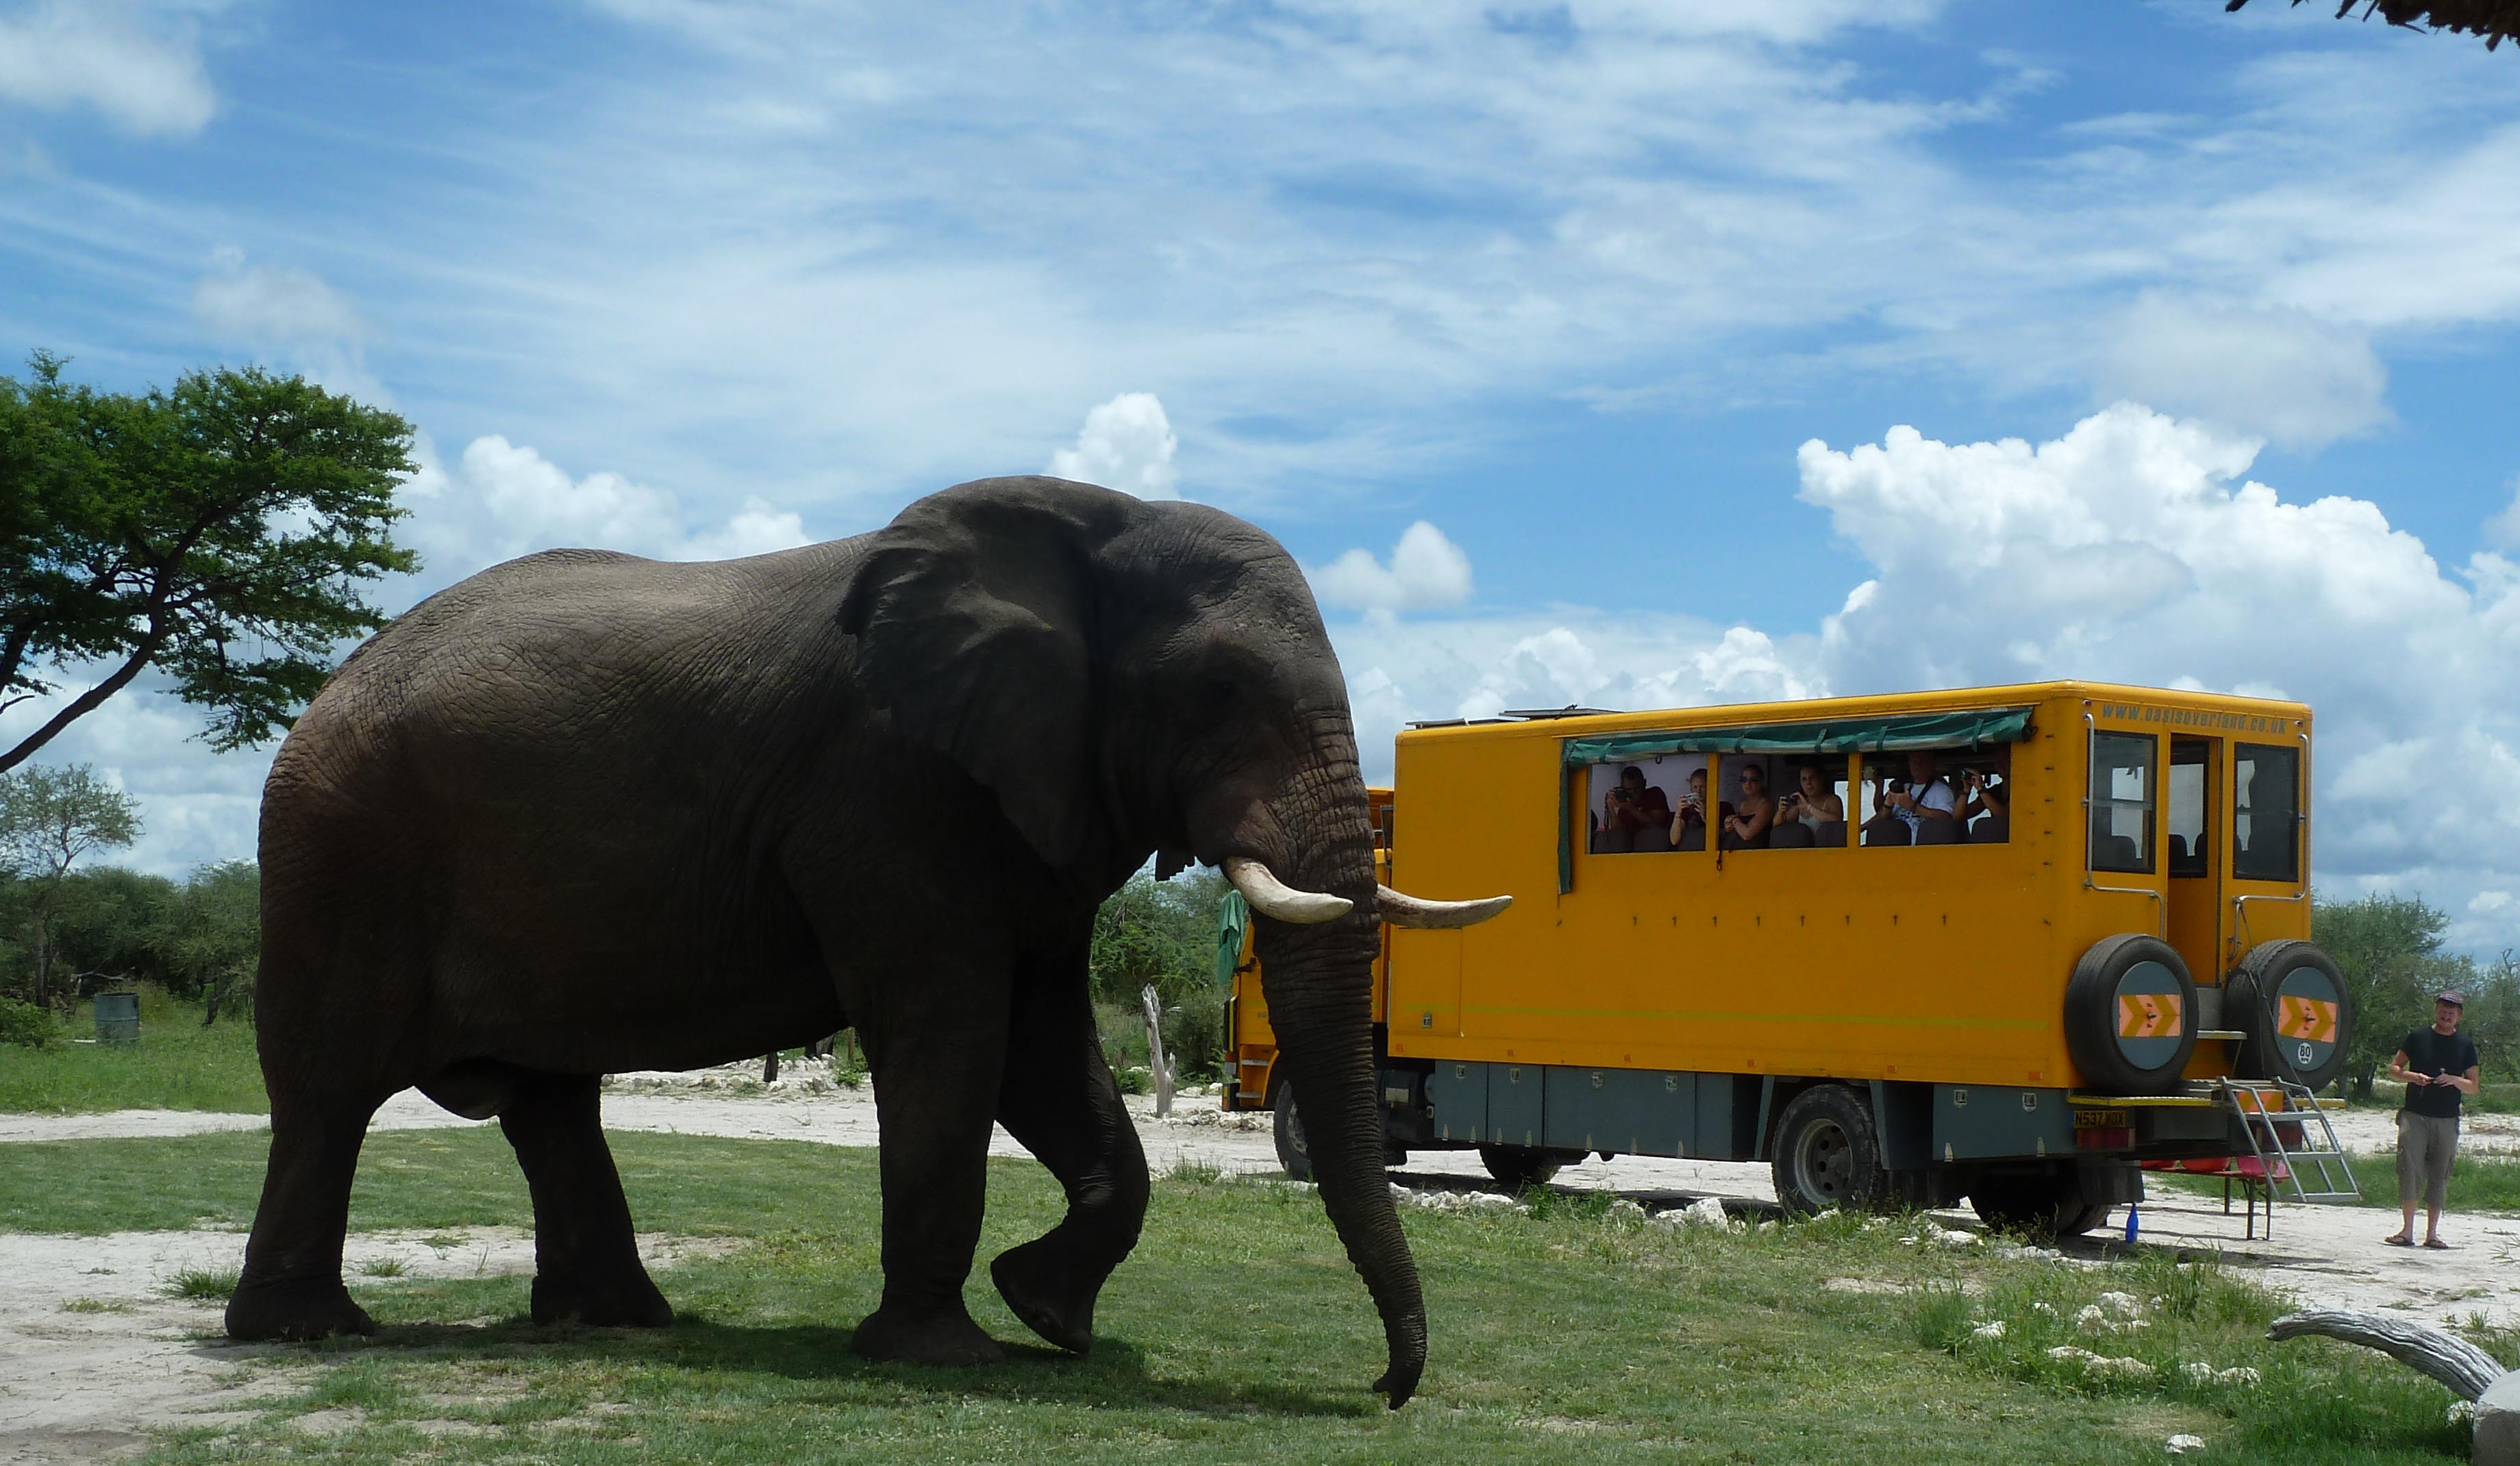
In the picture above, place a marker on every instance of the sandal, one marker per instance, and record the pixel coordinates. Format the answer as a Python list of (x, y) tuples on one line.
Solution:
[(2400, 1241), (2437, 1245)]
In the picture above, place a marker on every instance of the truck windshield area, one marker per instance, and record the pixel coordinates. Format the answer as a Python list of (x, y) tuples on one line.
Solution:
[(2122, 801), (2265, 824)]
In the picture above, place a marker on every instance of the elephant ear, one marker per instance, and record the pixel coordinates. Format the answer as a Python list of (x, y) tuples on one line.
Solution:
[(972, 617)]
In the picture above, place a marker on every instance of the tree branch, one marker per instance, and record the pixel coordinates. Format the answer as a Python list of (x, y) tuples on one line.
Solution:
[(86, 703), (2465, 1368)]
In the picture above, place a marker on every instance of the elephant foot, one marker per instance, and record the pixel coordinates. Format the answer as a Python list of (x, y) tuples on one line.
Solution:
[(1055, 1298), (945, 1337), (301, 1309), (624, 1299)]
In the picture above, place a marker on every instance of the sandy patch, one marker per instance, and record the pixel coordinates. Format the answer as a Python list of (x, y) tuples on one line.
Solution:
[(93, 1353)]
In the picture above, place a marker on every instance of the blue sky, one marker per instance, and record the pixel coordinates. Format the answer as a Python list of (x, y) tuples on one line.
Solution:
[(1572, 285)]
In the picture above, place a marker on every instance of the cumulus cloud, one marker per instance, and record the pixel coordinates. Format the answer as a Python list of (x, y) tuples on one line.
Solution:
[(2283, 374), (1126, 444), (273, 304), (2133, 548), (1427, 569), (503, 499), (59, 56)]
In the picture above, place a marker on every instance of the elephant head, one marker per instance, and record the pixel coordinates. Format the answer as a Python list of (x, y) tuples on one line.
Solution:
[(1129, 678)]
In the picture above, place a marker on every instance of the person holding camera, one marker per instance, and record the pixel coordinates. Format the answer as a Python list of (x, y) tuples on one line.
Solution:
[(1813, 804), (2438, 1066), (1631, 806)]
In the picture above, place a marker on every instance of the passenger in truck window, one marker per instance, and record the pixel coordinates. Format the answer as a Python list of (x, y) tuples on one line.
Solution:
[(1813, 804), (1986, 795), (1922, 796), (1633, 804), (1692, 809), (1748, 826)]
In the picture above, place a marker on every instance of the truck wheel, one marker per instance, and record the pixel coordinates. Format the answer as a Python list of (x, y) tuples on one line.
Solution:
[(1519, 1168), (1288, 1126), (2290, 1000), (1828, 1153), (2131, 1015)]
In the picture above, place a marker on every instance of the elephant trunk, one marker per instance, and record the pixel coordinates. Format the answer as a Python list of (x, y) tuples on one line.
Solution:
[(1319, 980)]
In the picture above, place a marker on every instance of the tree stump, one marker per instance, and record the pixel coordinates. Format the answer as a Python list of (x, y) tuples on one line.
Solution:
[(2463, 1366)]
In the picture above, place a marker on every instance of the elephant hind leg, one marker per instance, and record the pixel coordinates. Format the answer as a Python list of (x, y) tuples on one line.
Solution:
[(1058, 1100), (586, 1256), (291, 1284)]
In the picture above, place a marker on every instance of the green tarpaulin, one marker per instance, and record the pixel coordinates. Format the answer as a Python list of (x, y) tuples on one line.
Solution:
[(1844, 734), (1232, 918)]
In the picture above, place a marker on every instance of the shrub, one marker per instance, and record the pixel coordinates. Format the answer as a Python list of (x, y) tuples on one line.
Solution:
[(27, 1023)]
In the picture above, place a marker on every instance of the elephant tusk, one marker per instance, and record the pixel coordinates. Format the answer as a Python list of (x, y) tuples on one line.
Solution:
[(1270, 896), (1415, 911)]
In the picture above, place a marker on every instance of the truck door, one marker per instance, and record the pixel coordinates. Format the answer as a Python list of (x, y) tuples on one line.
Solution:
[(2193, 844)]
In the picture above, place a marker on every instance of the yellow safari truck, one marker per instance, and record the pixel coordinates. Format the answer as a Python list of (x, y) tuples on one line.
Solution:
[(2001, 944)]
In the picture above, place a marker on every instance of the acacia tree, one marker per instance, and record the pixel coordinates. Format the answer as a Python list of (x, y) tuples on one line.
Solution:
[(50, 818), (2389, 948), (222, 531)]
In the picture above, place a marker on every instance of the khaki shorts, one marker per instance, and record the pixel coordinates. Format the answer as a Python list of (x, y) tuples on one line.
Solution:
[(2426, 1145)]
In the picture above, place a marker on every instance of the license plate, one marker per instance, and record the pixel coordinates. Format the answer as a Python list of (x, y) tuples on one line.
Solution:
[(2099, 1119)]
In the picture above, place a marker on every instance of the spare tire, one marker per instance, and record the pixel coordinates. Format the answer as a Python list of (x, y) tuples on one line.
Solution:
[(2131, 1015), (2290, 1000)]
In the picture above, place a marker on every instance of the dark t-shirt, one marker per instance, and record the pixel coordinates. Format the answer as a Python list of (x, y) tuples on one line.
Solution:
[(2432, 1055)]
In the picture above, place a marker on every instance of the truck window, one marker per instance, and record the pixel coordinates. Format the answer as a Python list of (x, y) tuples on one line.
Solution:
[(2266, 823), (2187, 820), (1632, 803), (2122, 801)]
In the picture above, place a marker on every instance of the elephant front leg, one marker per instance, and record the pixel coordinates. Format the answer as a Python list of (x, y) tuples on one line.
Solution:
[(936, 1056), (1059, 1099), (586, 1255)]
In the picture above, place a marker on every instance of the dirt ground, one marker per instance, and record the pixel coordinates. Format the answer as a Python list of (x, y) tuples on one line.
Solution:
[(86, 1381)]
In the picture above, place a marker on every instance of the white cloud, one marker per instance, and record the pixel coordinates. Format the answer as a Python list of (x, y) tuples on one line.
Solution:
[(504, 499), (1427, 569), (62, 55), (274, 303), (1126, 444), (2130, 549), (2283, 374)]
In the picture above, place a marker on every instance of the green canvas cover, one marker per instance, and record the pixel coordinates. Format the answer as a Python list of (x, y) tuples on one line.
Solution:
[(1232, 919), (1900, 734)]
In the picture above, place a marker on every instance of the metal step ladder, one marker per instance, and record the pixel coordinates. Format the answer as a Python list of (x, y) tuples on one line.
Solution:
[(2310, 1161)]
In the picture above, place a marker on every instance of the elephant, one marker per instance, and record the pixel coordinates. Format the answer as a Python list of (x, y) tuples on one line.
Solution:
[(586, 812)]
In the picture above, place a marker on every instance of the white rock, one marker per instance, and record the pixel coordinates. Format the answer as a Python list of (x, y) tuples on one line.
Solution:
[(2498, 1423), (2179, 1445), (1993, 1330)]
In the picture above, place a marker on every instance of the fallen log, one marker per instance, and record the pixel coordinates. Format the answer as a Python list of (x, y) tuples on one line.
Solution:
[(2463, 1366)]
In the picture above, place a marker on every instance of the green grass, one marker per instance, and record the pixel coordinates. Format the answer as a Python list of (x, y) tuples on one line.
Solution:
[(202, 1283), (2477, 1183), (95, 1306), (177, 1064), (1236, 1332)]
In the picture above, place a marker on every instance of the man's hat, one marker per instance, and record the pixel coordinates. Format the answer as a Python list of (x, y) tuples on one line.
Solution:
[(2452, 996)]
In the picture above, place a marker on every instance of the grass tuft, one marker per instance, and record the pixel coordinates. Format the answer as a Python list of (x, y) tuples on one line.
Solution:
[(95, 1306), (202, 1283), (385, 1268)]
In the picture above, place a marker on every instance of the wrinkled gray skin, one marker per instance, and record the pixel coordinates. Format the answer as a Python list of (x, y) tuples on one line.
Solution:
[(586, 812)]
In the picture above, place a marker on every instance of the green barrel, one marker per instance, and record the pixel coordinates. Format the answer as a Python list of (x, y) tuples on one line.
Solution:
[(117, 1017)]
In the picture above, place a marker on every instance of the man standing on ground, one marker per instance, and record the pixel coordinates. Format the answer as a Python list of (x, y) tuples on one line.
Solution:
[(2437, 1065)]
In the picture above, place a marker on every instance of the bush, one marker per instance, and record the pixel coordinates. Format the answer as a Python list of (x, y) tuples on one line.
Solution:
[(27, 1024)]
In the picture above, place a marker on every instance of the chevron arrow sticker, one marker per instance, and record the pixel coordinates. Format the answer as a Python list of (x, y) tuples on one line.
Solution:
[(2307, 1017), (2149, 1014)]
